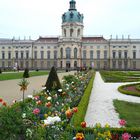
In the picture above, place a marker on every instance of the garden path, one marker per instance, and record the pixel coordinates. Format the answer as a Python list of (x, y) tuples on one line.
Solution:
[(100, 108), (9, 89)]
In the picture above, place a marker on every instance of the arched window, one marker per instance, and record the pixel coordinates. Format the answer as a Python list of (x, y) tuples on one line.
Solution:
[(75, 53), (71, 32), (61, 53), (78, 32), (65, 32), (68, 53)]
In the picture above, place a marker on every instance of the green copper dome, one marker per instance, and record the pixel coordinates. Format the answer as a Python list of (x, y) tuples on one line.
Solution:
[(72, 15)]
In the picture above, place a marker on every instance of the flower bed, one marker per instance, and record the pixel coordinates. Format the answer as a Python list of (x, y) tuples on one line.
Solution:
[(46, 115), (130, 89)]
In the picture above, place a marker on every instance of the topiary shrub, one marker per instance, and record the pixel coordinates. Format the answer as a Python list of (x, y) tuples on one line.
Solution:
[(26, 73), (0, 71), (53, 82)]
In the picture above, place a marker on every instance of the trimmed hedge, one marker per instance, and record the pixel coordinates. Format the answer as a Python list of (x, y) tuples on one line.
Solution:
[(122, 90), (82, 107), (138, 87)]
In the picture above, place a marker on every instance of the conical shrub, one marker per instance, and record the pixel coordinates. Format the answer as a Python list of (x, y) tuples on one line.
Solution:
[(26, 73), (53, 82)]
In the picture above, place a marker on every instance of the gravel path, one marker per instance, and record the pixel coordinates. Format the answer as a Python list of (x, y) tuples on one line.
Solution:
[(100, 108), (9, 89)]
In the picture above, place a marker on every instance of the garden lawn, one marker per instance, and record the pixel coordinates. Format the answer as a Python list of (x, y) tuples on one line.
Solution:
[(128, 111), (120, 76), (19, 75)]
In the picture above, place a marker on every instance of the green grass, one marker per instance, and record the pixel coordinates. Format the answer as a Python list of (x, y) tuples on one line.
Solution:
[(120, 76), (19, 75), (82, 107), (128, 111)]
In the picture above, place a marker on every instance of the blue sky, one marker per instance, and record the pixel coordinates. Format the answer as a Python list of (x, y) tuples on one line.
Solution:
[(43, 17)]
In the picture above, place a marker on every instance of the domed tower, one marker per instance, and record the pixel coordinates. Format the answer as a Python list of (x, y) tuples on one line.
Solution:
[(72, 22), (71, 39)]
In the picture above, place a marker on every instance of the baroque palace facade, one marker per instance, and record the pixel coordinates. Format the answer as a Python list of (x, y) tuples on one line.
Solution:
[(71, 50)]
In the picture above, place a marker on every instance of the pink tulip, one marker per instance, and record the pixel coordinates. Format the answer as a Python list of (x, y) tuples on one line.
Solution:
[(126, 136), (122, 122), (36, 97), (36, 111)]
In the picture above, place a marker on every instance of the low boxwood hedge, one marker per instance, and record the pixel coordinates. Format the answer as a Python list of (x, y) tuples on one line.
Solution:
[(82, 107), (133, 93)]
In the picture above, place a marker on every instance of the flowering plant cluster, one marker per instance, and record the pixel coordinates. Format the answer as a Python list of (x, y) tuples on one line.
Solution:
[(47, 114), (3, 102)]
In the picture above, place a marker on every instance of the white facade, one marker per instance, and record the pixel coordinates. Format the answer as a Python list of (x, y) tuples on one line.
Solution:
[(71, 50)]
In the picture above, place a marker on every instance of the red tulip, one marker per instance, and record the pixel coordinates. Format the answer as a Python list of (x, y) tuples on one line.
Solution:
[(83, 124)]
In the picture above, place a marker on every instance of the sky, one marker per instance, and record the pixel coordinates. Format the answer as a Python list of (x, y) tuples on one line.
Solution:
[(34, 18)]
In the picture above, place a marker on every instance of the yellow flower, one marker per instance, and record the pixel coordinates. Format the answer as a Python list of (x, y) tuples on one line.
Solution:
[(80, 136), (107, 125), (98, 125)]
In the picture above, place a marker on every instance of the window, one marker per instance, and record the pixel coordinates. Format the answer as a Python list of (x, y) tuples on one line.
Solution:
[(134, 54), (9, 47), (48, 64), (125, 54), (134, 46), (114, 54), (125, 46), (91, 54), (98, 54), (9, 63), (61, 53), (75, 53), (105, 54), (42, 54), (120, 64), (68, 53), (65, 32), (105, 64), (98, 64), (125, 64), (16, 54), (84, 54), (120, 54), (3, 55), (42, 47), (27, 64), (71, 32), (35, 47), (42, 64), (78, 32), (48, 47), (119, 46), (35, 64), (55, 54), (105, 47), (114, 64), (134, 64), (48, 54), (35, 54), (21, 54), (9, 55), (27, 54), (98, 47), (3, 64), (3, 47), (55, 63), (84, 63), (114, 46)]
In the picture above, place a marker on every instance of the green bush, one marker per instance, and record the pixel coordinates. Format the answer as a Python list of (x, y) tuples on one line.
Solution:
[(82, 107), (53, 82), (133, 93), (138, 87), (26, 73)]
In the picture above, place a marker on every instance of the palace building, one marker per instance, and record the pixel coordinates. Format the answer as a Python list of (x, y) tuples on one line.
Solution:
[(71, 50)]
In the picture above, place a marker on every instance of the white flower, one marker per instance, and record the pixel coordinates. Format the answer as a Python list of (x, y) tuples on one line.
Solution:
[(30, 96), (29, 133), (60, 90), (49, 98), (43, 88), (24, 115), (52, 120), (72, 82)]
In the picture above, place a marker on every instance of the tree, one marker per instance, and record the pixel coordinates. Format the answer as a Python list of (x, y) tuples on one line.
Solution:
[(53, 80), (23, 86), (26, 73)]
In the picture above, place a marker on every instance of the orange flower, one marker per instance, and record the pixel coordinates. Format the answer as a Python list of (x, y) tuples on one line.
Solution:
[(75, 109), (79, 136), (68, 113), (4, 104)]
